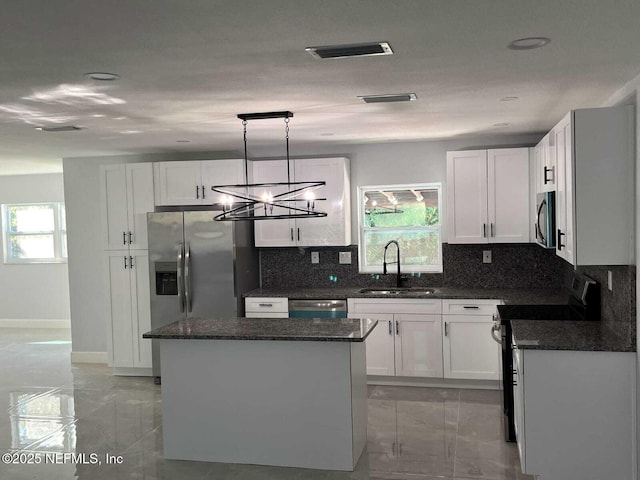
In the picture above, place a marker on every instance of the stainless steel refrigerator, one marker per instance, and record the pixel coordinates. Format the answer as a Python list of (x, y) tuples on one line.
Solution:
[(198, 268)]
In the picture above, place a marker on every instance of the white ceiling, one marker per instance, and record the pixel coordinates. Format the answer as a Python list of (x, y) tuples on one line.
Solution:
[(188, 67)]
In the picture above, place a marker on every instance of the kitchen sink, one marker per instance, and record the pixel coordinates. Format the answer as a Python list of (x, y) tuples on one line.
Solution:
[(397, 291)]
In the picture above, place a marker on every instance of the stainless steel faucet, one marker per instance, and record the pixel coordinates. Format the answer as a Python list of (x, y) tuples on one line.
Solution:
[(399, 278)]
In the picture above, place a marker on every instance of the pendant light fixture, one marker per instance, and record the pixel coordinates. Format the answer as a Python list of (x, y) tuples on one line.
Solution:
[(268, 201)]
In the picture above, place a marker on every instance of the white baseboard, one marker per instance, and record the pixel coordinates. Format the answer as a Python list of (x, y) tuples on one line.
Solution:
[(433, 382), (34, 323), (132, 372), (89, 357)]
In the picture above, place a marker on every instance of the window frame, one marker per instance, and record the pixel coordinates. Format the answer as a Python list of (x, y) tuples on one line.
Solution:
[(59, 234), (377, 269)]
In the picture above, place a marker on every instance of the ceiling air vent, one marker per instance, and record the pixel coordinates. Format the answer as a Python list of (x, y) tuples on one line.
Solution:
[(63, 128), (394, 97), (351, 50)]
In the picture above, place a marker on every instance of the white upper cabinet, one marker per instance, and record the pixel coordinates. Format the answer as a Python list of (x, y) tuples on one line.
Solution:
[(545, 164), (488, 196), (594, 197), (332, 230), (189, 183), (127, 196)]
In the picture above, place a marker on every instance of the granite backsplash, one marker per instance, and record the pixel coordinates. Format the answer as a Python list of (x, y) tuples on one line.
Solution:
[(513, 266)]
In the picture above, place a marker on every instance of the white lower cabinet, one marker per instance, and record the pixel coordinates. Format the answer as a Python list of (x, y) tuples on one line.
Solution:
[(574, 414), (128, 308), (266, 307), (407, 344), (430, 338), (468, 350)]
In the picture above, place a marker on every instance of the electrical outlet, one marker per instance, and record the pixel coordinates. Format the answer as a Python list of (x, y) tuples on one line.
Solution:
[(345, 258), (315, 257), (486, 256), (609, 280)]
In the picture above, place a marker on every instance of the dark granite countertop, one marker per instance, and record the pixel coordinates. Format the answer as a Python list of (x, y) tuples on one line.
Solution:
[(295, 329), (508, 295), (567, 335)]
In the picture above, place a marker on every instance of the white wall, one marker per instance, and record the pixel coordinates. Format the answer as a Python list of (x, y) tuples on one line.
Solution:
[(387, 163), (630, 95), (33, 291)]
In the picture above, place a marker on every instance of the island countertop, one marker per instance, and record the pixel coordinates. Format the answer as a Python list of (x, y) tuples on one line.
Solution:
[(287, 329)]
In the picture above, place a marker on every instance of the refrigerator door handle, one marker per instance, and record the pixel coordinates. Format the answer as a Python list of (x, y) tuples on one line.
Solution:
[(187, 278), (180, 279)]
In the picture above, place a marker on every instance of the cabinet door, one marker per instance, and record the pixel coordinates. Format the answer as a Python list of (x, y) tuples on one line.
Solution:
[(469, 350), (272, 233), (335, 228), (178, 183), (140, 308), (518, 406), (508, 195), (113, 189), (565, 241), (467, 196), (220, 172), (118, 307), (418, 345), (379, 344), (139, 202), (548, 172)]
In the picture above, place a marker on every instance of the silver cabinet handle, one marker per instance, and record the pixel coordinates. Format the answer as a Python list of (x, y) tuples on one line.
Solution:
[(130, 262), (492, 232), (125, 262), (197, 192), (484, 230), (124, 238), (180, 261), (130, 238), (298, 233), (446, 329), (397, 327), (390, 328), (265, 304), (187, 278), (471, 307), (292, 234), (203, 192), (496, 328)]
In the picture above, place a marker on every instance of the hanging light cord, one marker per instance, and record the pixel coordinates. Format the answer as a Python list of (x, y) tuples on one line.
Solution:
[(286, 136)]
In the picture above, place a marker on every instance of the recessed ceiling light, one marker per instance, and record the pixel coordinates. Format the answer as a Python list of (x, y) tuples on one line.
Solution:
[(63, 128), (102, 76), (528, 43), (509, 99), (98, 115), (500, 124), (351, 50), (394, 97)]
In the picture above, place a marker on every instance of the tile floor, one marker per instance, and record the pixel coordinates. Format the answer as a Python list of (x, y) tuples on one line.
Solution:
[(49, 407)]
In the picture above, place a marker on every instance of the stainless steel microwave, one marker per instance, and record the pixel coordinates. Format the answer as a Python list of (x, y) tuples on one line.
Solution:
[(545, 225)]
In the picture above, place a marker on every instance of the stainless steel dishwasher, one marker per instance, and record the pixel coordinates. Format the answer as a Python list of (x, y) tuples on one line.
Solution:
[(317, 308)]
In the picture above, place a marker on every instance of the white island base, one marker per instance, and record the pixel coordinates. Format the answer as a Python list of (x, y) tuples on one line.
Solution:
[(287, 403)]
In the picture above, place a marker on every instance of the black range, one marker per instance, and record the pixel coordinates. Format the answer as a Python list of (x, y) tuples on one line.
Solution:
[(583, 303)]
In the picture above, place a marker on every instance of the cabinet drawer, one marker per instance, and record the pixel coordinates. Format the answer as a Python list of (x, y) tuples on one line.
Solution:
[(469, 307), (267, 304), (393, 305)]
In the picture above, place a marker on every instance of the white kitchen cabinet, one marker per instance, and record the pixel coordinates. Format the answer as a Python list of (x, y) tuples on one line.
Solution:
[(488, 196), (574, 413), (190, 182), (594, 193), (407, 340), (266, 307), (332, 230), (126, 197), (545, 165), (468, 349), (128, 309)]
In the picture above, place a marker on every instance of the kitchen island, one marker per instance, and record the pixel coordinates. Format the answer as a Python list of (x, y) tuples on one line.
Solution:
[(267, 391)]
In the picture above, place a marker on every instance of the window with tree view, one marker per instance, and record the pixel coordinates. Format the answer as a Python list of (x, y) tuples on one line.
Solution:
[(409, 214), (34, 233)]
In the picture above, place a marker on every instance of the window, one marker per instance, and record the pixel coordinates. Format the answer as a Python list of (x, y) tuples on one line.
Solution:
[(34, 233), (409, 214)]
